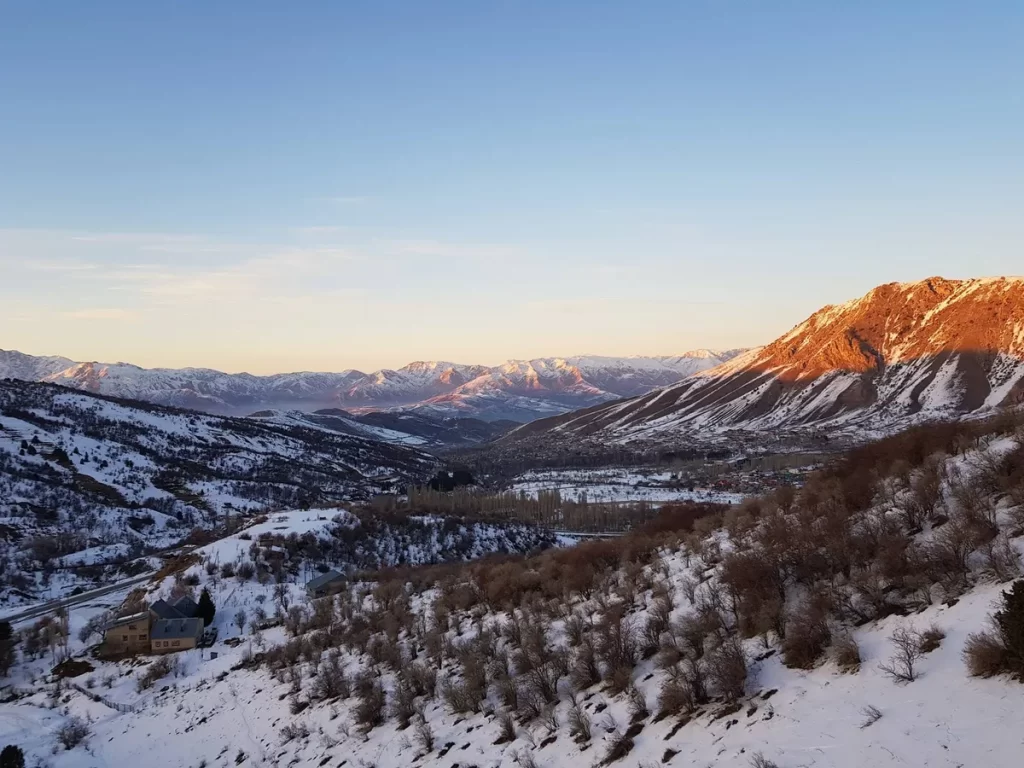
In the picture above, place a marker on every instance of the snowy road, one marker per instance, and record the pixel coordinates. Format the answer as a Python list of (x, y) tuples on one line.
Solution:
[(44, 609)]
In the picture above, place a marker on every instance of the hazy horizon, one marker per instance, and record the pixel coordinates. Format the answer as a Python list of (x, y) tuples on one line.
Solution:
[(342, 368)]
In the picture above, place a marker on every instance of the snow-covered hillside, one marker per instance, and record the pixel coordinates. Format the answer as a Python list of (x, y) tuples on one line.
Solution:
[(104, 480), (521, 390), (823, 627)]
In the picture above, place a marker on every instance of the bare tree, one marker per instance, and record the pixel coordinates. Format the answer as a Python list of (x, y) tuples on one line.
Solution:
[(901, 667)]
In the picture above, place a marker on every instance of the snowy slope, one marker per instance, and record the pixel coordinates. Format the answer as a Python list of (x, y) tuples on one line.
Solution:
[(237, 710), (84, 472), (902, 354)]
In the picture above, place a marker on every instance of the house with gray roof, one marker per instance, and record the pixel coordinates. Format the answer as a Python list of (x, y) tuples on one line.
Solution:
[(325, 584), (172, 635)]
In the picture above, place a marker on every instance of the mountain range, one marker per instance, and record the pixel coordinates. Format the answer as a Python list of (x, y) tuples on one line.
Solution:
[(519, 390), (901, 354)]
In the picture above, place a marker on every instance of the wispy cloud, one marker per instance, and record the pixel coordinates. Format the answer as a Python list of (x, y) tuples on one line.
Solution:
[(100, 314), (59, 265)]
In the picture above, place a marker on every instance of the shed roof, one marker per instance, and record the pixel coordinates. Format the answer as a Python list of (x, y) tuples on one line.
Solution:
[(324, 579), (175, 629)]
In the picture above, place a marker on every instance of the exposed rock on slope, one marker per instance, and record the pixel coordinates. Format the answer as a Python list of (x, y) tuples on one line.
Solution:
[(902, 353)]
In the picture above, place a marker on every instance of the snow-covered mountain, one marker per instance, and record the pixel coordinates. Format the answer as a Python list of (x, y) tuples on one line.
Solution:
[(520, 389), (900, 354)]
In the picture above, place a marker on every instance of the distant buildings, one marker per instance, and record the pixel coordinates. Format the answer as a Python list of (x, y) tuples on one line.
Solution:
[(325, 584)]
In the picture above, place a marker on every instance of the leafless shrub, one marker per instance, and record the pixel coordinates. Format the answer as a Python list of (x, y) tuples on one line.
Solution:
[(458, 697), (727, 670), (579, 724), (676, 695), (293, 731), (846, 653), (984, 654), (525, 759), (549, 718), (637, 704), (616, 646), (618, 679), (931, 639), (158, 669), (74, 732), (760, 761), (1001, 558), (619, 746), (506, 728), (585, 671), (575, 630), (901, 667), (403, 701), (422, 678), (370, 701), (871, 714), (807, 636), (331, 682), (465, 695), (424, 735)]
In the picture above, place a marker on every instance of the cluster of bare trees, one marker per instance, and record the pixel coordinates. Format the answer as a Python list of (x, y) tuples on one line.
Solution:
[(484, 639), (850, 541), (885, 531), (545, 508)]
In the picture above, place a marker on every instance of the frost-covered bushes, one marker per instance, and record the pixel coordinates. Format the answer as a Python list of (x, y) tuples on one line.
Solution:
[(1000, 649), (72, 733)]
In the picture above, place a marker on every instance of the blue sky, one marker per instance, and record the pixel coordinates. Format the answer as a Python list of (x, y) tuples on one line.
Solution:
[(269, 186)]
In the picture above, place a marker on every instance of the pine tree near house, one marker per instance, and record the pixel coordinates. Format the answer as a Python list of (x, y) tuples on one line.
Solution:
[(206, 609), (6, 647), (1010, 621), (12, 757)]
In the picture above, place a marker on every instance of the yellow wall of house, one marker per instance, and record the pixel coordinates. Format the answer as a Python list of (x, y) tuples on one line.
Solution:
[(173, 646), (128, 637)]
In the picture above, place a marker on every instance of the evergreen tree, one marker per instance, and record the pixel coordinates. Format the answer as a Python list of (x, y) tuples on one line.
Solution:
[(6, 647), (12, 757), (207, 610), (1010, 621)]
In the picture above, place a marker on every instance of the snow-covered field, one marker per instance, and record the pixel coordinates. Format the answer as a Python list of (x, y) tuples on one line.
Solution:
[(616, 485)]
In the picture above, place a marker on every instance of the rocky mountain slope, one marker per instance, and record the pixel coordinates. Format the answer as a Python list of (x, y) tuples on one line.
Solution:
[(93, 479), (518, 390), (900, 354)]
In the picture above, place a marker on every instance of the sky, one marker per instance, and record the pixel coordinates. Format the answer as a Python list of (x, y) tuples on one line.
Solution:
[(269, 186)]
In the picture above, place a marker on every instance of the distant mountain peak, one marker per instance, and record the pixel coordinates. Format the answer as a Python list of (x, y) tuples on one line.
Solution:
[(901, 353), (517, 389)]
